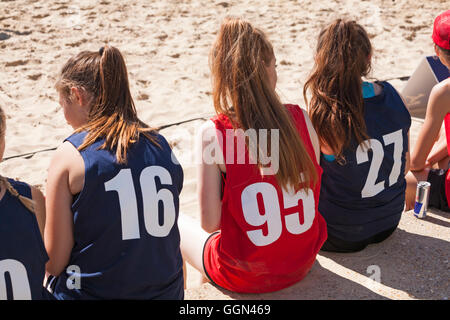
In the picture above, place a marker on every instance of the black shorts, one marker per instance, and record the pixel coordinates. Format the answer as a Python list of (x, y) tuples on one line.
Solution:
[(334, 244), (438, 198), (203, 258)]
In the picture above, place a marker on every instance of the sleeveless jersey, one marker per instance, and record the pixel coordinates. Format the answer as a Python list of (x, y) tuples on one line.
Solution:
[(22, 251), (125, 225), (365, 194), (269, 237), (447, 135)]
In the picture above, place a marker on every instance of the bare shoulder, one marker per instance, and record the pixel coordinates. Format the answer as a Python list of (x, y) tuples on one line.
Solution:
[(377, 88), (208, 150), (440, 95), (207, 132), (65, 156), (308, 122), (67, 163), (443, 88), (312, 134), (207, 127)]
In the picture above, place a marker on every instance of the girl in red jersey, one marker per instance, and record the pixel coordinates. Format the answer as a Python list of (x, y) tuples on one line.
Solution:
[(261, 227), (430, 157)]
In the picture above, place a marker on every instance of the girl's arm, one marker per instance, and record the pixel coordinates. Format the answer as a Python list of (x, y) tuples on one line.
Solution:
[(439, 150), (65, 178), (438, 107), (408, 156), (312, 135), (209, 177), (39, 208)]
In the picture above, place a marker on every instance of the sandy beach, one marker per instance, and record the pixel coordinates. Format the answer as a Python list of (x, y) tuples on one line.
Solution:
[(166, 46)]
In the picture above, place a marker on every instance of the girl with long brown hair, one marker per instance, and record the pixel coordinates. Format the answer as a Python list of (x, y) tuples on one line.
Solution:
[(261, 228), (363, 131), (22, 251), (112, 192)]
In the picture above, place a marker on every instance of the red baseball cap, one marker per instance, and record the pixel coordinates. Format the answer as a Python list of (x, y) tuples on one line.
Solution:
[(441, 30)]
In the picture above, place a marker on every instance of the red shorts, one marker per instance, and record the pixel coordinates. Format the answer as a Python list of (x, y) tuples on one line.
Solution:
[(244, 281)]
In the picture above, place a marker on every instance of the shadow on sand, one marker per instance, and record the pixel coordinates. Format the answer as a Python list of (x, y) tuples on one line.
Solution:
[(415, 265)]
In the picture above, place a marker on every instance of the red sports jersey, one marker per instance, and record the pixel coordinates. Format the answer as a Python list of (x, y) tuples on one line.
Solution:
[(269, 237), (447, 178)]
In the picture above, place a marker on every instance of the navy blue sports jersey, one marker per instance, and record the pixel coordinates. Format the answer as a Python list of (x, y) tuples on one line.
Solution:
[(22, 251), (365, 195), (125, 225)]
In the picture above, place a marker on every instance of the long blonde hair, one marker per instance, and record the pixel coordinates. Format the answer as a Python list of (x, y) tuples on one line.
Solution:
[(28, 203), (103, 74), (242, 91)]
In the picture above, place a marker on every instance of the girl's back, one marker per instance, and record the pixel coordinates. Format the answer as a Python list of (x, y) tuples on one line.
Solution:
[(365, 193), (364, 140), (112, 191), (262, 222), (127, 241), (262, 209)]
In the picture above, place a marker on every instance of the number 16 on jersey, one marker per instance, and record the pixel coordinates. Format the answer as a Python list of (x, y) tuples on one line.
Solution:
[(123, 184)]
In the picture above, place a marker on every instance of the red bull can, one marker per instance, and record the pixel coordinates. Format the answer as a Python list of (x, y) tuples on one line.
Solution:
[(422, 196)]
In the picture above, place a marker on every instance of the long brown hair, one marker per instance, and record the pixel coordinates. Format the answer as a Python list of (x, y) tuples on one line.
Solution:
[(27, 202), (103, 75), (336, 108), (241, 91)]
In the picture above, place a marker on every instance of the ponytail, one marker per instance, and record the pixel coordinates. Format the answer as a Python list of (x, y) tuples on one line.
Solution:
[(238, 60), (336, 107), (113, 117), (27, 202)]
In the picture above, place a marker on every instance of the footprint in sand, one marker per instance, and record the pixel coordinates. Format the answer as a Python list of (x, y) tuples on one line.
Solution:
[(77, 43), (143, 82), (224, 4), (143, 96), (16, 63), (162, 37), (41, 16), (34, 77), (4, 36)]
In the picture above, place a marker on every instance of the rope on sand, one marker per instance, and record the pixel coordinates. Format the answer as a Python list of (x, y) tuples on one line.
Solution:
[(30, 154)]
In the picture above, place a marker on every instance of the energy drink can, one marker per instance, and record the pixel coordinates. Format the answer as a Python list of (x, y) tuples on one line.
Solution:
[(422, 196)]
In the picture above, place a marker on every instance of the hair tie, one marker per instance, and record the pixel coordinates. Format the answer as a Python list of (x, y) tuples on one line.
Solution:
[(101, 50)]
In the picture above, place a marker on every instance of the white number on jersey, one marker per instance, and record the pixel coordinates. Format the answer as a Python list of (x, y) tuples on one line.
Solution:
[(19, 280), (269, 212), (371, 188), (123, 184)]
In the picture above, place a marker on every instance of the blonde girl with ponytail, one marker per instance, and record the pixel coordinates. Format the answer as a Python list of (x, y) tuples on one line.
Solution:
[(22, 221), (261, 229)]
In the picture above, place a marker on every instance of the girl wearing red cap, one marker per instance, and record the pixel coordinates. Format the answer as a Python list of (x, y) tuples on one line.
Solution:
[(430, 157)]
